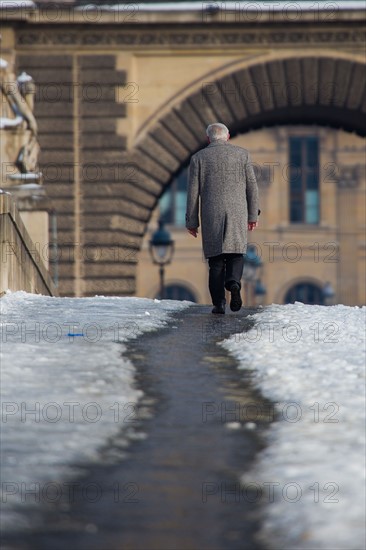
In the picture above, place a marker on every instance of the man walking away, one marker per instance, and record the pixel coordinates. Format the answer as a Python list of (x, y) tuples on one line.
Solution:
[(222, 188)]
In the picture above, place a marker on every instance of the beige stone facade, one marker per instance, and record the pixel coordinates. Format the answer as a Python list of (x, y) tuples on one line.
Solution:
[(122, 102), (21, 265), (331, 251)]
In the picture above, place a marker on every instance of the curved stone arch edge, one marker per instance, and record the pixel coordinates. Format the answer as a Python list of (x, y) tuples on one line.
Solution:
[(338, 117), (228, 69), (272, 117), (154, 290)]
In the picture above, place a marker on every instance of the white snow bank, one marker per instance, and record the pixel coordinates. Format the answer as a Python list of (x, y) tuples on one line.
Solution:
[(11, 122), (310, 360), (65, 386), (16, 4), (227, 5)]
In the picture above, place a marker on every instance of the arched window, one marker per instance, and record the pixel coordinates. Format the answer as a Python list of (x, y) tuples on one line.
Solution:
[(178, 292), (307, 293), (174, 201)]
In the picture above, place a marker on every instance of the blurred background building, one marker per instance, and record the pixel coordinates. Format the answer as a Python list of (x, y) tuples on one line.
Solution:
[(123, 97), (312, 196)]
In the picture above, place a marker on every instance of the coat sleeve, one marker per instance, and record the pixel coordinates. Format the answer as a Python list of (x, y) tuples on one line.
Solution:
[(192, 210), (251, 191)]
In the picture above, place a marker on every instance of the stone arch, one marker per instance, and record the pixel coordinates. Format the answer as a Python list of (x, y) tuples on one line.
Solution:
[(311, 70), (281, 293), (324, 89), (154, 290)]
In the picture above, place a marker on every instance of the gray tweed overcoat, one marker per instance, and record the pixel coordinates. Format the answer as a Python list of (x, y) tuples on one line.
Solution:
[(223, 189)]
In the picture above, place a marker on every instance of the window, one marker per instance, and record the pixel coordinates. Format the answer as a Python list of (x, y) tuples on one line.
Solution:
[(174, 201), (306, 293), (178, 292), (304, 179)]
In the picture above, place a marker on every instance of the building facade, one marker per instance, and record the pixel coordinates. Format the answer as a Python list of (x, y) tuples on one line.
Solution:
[(123, 98), (311, 230)]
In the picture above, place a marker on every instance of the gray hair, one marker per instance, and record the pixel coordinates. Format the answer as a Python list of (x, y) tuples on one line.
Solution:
[(217, 131)]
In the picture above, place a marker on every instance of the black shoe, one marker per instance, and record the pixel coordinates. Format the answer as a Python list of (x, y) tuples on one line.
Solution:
[(235, 302), (220, 308)]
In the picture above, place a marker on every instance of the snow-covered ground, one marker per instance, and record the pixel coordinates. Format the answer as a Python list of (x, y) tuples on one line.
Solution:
[(65, 387), (310, 361)]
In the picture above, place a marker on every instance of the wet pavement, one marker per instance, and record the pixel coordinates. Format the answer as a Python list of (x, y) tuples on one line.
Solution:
[(176, 486)]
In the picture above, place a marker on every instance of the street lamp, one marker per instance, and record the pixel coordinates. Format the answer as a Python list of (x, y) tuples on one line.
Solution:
[(328, 293), (161, 248), (259, 291), (252, 264)]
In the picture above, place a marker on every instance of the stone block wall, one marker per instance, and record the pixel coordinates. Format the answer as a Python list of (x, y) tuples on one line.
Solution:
[(83, 171)]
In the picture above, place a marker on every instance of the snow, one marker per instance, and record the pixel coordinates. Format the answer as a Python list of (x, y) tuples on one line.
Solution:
[(229, 6), (63, 359), (16, 4), (25, 177), (197, 6), (24, 77), (11, 122), (3, 63), (310, 361)]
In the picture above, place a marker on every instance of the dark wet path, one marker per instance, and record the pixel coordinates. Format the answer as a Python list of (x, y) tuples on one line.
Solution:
[(178, 487)]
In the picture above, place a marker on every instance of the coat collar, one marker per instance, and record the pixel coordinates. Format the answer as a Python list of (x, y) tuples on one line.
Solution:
[(218, 142)]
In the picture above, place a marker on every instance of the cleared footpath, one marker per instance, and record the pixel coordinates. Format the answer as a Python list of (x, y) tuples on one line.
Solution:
[(176, 486)]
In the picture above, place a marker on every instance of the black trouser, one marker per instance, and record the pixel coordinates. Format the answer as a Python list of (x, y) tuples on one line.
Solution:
[(224, 270)]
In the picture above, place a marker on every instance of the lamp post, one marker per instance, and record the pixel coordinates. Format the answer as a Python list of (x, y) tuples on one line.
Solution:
[(259, 291), (328, 293), (161, 248), (252, 264)]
